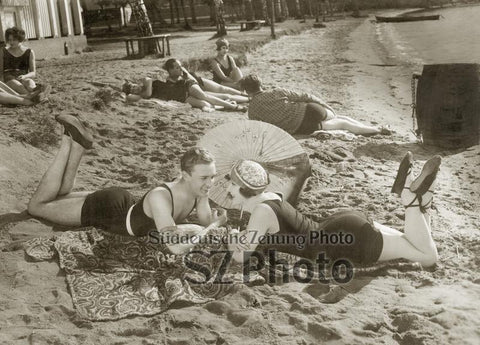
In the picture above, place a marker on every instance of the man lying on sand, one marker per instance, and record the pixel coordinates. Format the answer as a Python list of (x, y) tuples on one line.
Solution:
[(11, 97), (114, 209), (184, 87), (271, 216), (298, 113)]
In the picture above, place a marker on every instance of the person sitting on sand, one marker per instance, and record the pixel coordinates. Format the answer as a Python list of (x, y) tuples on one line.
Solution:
[(181, 86), (114, 209), (224, 68), (17, 63), (298, 113), (372, 242), (11, 97)]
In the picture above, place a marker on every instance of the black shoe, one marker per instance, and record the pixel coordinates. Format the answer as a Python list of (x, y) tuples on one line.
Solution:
[(76, 129), (403, 171), (429, 173)]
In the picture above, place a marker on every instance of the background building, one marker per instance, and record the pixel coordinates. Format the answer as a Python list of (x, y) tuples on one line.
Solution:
[(48, 24)]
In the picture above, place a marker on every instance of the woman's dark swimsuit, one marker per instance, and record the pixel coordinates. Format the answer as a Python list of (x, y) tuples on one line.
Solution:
[(108, 209), (225, 70), (14, 66), (367, 241)]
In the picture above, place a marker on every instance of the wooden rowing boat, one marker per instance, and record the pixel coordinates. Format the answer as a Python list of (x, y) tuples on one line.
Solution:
[(402, 19)]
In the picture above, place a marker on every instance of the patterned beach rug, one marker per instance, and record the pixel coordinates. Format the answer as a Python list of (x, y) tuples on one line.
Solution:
[(111, 277)]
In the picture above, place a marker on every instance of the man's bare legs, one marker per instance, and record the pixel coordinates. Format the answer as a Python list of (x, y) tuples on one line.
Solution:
[(196, 92), (351, 125), (51, 200), (211, 86), (416, 242), (236, 98)]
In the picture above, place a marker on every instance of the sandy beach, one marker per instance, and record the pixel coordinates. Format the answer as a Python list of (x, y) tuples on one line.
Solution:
[(137, 146)]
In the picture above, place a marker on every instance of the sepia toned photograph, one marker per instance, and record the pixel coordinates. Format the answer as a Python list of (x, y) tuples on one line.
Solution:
[(182, 172)]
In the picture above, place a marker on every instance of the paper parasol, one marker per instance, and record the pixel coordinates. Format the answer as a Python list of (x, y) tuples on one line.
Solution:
[(276, 150)]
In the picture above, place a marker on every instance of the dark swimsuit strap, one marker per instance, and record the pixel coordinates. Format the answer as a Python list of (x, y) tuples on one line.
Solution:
[(222, 67), (164, 185)]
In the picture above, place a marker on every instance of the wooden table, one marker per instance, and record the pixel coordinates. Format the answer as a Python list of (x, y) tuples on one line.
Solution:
[(144, 44), (251, 24)]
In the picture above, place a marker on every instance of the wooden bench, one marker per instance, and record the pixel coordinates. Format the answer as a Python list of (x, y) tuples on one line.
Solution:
[(144, 45), (251, 24)]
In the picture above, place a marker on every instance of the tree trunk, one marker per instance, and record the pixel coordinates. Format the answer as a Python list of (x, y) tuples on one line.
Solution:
[(177, 11), (249, 15), (172, 15), (263, 5), (187, 24), (285, 12), (192, 11), (298, 11), (356, 11), (219, 11), (213, 13), (278, 10)]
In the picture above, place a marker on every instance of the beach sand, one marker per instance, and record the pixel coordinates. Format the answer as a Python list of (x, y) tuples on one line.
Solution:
[(137, 146)]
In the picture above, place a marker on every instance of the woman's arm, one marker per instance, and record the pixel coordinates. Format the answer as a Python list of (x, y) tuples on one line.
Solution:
[(187, 75), (31, 68), (232, 61), (218, 71), (259, 224)]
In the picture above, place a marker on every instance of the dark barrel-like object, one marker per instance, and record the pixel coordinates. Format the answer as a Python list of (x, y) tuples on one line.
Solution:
[(448, 105)]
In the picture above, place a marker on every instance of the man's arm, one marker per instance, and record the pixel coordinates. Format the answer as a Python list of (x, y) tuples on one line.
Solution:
[(159, 204), (304, 97)]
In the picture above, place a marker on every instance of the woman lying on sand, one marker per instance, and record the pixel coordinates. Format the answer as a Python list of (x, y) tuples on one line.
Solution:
[(372, 242), (224, 69), (11, 97), (181, 86), (114, 209)]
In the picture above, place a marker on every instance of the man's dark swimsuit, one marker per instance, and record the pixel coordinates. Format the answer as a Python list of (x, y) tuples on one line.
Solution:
[(367, 240), (108, 209)]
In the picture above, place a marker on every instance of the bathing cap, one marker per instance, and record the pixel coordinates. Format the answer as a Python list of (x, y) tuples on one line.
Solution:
[(250, 175), (221, 42)]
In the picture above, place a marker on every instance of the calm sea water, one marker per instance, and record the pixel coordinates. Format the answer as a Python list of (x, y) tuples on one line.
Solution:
[(453, 38)]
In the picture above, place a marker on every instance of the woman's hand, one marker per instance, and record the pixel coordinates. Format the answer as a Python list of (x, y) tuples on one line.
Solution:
[(219, 216), (21, 77)]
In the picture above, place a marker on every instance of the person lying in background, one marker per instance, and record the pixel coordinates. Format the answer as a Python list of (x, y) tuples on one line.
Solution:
[(298, 113), (183, 87)]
